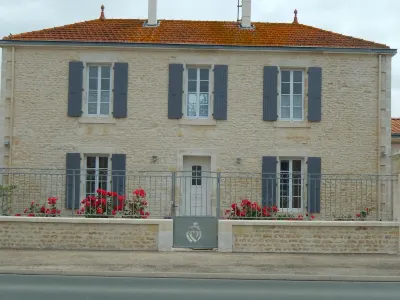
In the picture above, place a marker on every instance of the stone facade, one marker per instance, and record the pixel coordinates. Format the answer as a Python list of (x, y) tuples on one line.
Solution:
[(316, 239), (343, 140), (84, 234)]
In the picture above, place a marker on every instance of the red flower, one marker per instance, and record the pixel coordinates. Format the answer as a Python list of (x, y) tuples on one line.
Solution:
[(103, 202), (144, 202), (358, 215), (141, 212), (47, 211), (25, 210), (52, 200), (78, 212), (53, 211), (274, 208), (87, 204), (234, 205), (113, 212), (31, 215), (114, 194), (121, 198), (245, 202), (99, 211), (269, 208), (17, 215), (242, 213), (140, 193), (300, 217), (43, 209), (101, 192), (147, 214), (227, 212), (58, 211), (97, 203), (120, 207), (312, 217)]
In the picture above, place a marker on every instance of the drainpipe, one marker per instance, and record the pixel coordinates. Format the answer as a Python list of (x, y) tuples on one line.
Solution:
[(379, 134), (11, 109)]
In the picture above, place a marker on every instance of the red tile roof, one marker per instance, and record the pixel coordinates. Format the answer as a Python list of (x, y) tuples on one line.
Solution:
[(195, 32), (396, 125)]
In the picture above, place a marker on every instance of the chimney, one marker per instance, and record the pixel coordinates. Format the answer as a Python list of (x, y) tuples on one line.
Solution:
[(246, 14), (152, 13)]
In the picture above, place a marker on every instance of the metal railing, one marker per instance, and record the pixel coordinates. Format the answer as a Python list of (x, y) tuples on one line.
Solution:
[(152, 194)]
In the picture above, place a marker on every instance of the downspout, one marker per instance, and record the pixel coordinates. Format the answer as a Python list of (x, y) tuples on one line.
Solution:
[(11, 109), (378, 208)]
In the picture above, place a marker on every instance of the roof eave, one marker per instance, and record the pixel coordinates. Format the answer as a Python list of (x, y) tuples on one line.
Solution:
[(199, 46)]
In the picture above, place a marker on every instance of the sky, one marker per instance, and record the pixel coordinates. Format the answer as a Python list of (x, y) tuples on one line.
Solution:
[(368, 19)]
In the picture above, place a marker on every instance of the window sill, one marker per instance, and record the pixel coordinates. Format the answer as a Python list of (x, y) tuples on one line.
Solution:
[(198, 122), (97, 120), (292, 124)]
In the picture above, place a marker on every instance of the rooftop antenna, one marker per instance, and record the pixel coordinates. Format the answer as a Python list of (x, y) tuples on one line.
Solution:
[(239, 6)]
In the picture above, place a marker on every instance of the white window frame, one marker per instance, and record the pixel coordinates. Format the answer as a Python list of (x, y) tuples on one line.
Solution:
[(84, 181), (303, 185), (291, 118), (86, 109), (186, 91)]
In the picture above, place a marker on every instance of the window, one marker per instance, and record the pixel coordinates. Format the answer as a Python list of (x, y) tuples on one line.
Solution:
[(99, 90), (97, 174), (290, 184), (196, 175), (291, 100), (198, 93)]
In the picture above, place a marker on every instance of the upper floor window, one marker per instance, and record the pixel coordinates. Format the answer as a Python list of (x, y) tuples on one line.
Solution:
[(198, 93), (99, 90), (292, 95)]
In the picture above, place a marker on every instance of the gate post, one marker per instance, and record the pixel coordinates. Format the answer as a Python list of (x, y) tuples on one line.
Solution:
[(218, 194), (173, 186)]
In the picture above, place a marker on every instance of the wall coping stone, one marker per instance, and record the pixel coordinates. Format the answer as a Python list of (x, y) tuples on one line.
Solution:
[(308, 223)]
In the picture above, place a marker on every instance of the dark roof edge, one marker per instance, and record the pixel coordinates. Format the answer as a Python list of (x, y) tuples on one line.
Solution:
[(198, 46)]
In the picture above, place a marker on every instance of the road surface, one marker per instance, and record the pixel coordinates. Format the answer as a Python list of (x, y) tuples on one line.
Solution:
[(18, 287)]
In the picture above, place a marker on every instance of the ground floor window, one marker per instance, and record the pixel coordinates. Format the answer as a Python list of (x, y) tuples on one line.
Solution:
[(97, 174), (291, 185)]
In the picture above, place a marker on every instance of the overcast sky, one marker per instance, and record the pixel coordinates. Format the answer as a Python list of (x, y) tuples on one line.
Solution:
[(368, 19)]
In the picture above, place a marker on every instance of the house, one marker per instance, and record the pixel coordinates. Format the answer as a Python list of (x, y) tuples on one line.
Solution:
[(197, 110), (395, 129)]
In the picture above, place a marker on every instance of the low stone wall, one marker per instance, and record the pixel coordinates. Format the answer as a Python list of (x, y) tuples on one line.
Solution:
[(309, 237), (85, 234)]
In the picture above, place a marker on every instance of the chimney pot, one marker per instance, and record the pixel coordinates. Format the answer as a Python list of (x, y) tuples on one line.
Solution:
[(246, 14), (152, 13)]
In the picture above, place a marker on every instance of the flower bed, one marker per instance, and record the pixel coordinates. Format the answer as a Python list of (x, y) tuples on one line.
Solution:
[(360, 216), (248, 210), (109, 204)]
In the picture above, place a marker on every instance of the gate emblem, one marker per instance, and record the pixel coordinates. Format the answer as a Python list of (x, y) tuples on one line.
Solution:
[(194, 233)]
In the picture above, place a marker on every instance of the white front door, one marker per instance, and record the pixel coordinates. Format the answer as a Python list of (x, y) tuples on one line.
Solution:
[(196, 186)]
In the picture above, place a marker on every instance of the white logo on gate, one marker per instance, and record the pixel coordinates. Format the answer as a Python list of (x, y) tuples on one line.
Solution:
[(194, 233)]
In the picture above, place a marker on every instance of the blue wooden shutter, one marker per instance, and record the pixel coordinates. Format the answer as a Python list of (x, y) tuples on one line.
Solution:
[(314, 184), (270, 94), (269, 180), (75, 88), (175, 91), (73, 186), (220, 92), (314, 94), (120, 101), (118, 162)]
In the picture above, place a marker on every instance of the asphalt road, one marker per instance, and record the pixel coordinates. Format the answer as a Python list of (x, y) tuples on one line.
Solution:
[(18, 287)]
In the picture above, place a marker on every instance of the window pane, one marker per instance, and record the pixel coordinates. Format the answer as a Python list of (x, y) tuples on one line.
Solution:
[(285, 100), (104, 108), (105, 84), (285, 112), (204, 74), (93, 72), (90, 187), (297, 76), (92, 96), (90, 162), (296, 166), (105, 72), (192, 105), (192, 86), (204, 87), (297, 112), (203, 111), (285, 89), (92, 108), (297, 88), (285, 76), (203, 99), (284, 166), (92, 84), (192, 74), (297, 100), (103, 162), (105, 96)]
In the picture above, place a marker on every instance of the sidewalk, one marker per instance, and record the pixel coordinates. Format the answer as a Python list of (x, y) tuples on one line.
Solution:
[(194, 264)]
